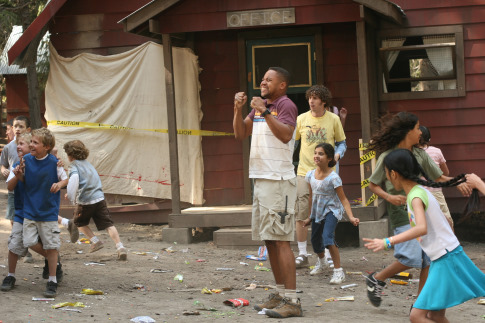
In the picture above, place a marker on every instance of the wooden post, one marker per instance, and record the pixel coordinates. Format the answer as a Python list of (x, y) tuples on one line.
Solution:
[(365, 172), (172, 123), (366, 102)]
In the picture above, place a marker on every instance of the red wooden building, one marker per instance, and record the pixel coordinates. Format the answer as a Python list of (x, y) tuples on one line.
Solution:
[(424, 57)]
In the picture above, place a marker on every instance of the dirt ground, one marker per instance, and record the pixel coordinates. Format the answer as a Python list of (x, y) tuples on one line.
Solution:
[(131, 290)]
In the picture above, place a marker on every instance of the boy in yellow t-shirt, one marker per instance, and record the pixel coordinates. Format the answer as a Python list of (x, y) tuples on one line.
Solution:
[(312, 128)]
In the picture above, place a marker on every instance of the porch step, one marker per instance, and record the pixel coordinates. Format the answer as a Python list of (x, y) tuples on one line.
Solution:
[(240, 215), (216, 216), (346, 235)]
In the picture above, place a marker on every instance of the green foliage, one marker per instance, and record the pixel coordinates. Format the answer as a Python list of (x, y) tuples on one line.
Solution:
[(17, 12), (20, 12)]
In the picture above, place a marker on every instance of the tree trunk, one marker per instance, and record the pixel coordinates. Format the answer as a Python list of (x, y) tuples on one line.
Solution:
[(29, 60), (34, 106)]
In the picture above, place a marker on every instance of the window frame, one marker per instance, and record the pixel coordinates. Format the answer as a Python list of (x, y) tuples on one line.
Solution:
[(459, 62)]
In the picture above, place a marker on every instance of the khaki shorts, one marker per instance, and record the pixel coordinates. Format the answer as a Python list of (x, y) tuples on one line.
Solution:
[(438, 195), (47, 231), (16, 240), (269, 199), (302, 211)]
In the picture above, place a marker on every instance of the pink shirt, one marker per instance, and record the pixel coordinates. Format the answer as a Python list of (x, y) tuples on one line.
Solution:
[(437, 156)]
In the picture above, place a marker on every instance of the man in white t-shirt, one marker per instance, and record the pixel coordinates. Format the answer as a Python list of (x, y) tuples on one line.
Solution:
[(272, 123)]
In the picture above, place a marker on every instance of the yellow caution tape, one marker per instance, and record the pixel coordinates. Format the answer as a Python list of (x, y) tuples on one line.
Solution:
[(365, 158), (92, 125), (364, 183), (363, 146), (371, 199)]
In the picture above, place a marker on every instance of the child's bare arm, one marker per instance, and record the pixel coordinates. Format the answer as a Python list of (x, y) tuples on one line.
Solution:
[(419, 230), (444, 169), (56, 187), (475, 182), (5, 171), (12, 183), (345, 202)]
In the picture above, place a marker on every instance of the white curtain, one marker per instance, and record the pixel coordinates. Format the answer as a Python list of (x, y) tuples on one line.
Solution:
[(128, 90), (391, 55), (441, 59)]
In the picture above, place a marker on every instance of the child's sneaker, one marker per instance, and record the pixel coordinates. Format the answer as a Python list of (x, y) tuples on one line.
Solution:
[(286, 309), (28, 258), (59, 273), (274, 300), (73, 231), (45, 270), (374, 289), (8, 283), (97, 246), (318, 269), (122, 254), (51, 289), (338, 276), (301, 261)]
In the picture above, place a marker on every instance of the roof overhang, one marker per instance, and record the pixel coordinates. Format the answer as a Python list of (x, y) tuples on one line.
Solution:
[(389, 10), (141, 20), (140, 17), (34, 29)]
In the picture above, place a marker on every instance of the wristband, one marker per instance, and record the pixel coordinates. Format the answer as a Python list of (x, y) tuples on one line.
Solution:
[(387, 244), (265, 113)]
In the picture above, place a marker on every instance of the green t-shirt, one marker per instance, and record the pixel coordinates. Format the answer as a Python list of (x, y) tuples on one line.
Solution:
[(397, 213)]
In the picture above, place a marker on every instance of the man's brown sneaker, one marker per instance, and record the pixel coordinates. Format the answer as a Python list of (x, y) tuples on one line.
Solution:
[(286, 309), (274, 300)]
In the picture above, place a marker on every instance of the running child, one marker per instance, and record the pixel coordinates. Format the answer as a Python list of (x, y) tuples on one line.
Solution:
[(42, 181), (400, 130), (327, 205), (16, 247), (84, 189), (437, 156), (463, 280)]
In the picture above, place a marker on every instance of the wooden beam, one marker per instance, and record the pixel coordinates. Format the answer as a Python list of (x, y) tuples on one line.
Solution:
[(363, 81), (243, 82), (154, 26), (387, 9), (172, 123), (145, 13)]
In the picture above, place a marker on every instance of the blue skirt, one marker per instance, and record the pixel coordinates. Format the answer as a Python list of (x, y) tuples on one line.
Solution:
[(452, 280)]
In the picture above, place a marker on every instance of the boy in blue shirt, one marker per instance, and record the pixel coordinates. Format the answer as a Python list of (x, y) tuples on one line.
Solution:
[(16, 247), (42, 181)]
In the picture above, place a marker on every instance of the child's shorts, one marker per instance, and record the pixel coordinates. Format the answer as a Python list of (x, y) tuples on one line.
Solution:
[(98, 212), (16, 240), (410, 253), (10, 206), (323, 233), (46, 231)]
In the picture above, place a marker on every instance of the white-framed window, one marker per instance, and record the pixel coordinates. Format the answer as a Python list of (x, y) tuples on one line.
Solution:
[(422, 62)]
